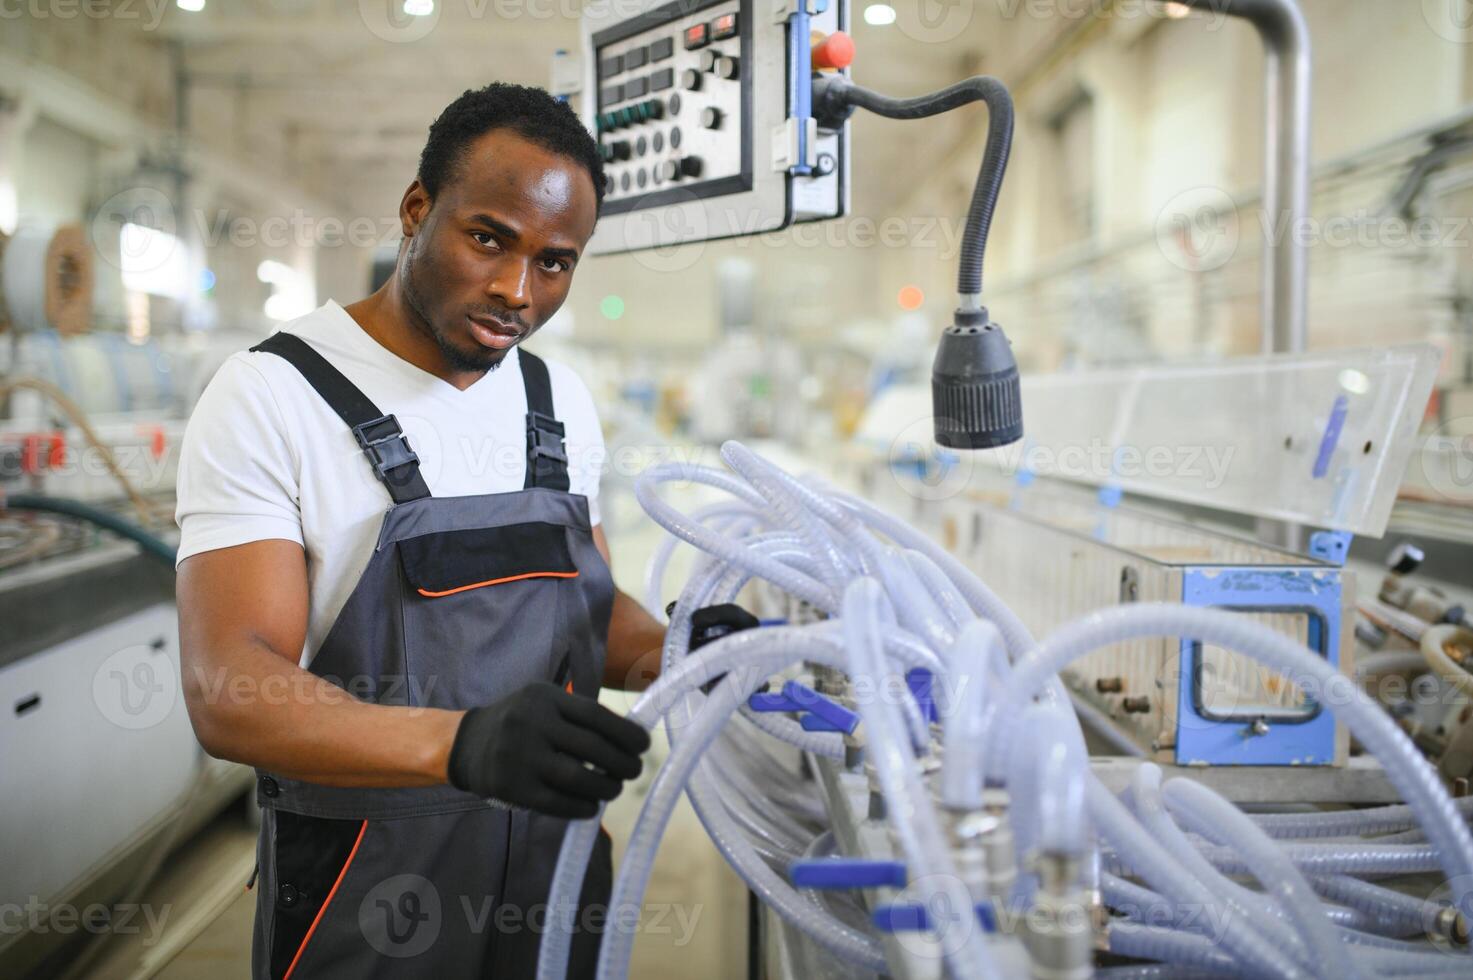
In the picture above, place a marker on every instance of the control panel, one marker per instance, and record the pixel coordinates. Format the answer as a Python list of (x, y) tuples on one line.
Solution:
[(701, 112)]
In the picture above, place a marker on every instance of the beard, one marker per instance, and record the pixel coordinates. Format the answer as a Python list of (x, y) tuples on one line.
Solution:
[(458, 358)]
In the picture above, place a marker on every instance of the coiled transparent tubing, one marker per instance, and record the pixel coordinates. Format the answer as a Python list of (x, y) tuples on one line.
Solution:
[(891, 600)]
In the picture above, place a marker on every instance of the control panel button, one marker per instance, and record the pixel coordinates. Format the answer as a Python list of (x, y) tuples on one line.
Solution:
[(641, 178), (725, 68), (710, 118), (709, 59), (833, 52), (675, 137), (662, 79), (697, 36), (641, 146), (674, 104), (619, 149), (724, 26), (624, 181), (611, 65), (662, 48), (654, 109), (690, 79), (636, 87), (636, 57), (681, 167), (611, 93), (657, 141)]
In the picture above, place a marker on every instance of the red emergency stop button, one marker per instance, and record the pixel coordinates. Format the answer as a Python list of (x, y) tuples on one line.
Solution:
[(834, 51)]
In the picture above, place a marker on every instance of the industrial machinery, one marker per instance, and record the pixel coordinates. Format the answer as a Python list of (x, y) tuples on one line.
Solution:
[(899, 765), (94, 719)]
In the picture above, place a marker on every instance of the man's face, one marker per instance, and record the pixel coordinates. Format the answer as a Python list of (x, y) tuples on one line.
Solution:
[(492, 257)]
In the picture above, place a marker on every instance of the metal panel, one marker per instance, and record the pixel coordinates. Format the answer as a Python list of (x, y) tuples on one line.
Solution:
[(1265, 727)]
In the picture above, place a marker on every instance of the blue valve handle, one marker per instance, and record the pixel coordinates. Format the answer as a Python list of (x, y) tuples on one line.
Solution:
[(912, 917), (840, 717), (765, 701), (813, 723), (841, 872)]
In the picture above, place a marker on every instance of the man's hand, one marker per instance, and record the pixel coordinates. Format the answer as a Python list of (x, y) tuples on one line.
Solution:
[(710, 623), (534, 749)]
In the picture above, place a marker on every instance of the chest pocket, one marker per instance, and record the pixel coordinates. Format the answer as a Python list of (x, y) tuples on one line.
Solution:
[(487, 611), (451, 562)]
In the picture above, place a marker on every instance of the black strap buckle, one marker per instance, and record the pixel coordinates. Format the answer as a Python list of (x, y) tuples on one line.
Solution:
[(384, 442), (545, 438)]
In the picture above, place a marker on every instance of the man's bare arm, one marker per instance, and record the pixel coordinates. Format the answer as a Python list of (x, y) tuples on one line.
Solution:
[(242, 623), (635, 637)]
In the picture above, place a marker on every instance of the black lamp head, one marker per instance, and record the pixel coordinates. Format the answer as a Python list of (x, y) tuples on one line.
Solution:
[(975, 396)]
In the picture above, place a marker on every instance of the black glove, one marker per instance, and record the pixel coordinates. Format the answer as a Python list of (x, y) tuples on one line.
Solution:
[(534, 749), (711, 623)]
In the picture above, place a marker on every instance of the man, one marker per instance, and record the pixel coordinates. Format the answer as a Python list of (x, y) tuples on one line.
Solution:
[(394, 595)]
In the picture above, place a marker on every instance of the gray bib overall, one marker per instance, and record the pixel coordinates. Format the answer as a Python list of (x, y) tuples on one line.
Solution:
[(465, 600)]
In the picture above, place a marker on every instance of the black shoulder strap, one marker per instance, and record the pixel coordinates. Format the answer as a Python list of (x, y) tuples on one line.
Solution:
[(547, 458), (395, 464)]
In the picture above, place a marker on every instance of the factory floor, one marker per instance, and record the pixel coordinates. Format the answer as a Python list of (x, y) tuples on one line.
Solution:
[(695, 919)]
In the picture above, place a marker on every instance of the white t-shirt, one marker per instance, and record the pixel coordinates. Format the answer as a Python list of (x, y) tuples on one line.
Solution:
[(265, 457)]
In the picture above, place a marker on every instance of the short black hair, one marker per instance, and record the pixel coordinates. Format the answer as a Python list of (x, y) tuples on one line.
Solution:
[(530, 112)]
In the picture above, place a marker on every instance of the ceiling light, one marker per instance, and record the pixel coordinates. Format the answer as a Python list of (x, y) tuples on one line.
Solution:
[(879, 14), (419, 8), (193, 6)]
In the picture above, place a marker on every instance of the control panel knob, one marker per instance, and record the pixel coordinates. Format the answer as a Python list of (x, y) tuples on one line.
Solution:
[(833, 52), (710, 118), (728, 68), (690, 166), (619, 149), (690, 79), (709, 59)]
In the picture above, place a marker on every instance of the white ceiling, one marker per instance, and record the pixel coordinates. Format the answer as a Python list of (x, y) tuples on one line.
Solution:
[(346, 97)]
